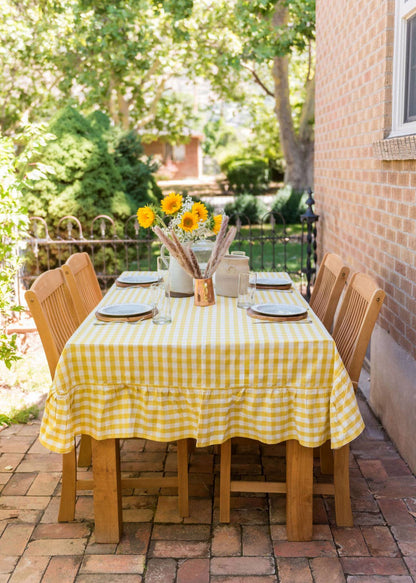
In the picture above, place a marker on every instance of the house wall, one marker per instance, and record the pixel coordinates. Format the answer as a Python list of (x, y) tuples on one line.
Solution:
[(366, 202), (190, 167)]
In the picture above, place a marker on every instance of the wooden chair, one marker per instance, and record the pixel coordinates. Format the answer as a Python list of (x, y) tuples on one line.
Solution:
[(83, 283), (85, 291), (50, 303), (56, 319), (330, 282), (352, 331)]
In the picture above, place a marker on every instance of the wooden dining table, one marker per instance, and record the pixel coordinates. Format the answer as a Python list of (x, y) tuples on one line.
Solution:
[(212, 374)]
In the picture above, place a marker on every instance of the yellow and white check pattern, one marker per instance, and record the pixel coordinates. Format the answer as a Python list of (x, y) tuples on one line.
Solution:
[(212, 374)]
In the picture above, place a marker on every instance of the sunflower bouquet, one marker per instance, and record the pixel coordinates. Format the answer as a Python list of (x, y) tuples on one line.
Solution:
[(189, 220)]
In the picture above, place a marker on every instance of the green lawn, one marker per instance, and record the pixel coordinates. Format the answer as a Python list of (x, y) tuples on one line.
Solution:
[(266, 251)]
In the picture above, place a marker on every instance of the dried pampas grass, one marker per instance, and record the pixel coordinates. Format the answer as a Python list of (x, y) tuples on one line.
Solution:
[(186, 257)]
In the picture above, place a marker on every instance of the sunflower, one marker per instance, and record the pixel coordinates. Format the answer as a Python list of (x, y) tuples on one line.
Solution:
[(146, 216), (217, 224), (171, 203), (200, 210), (189, 222)]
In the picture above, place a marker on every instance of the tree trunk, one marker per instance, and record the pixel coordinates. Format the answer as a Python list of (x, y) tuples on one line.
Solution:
[(298, 148)]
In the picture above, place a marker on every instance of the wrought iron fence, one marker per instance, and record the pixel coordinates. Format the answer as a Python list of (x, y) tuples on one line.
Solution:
[(116, 248)]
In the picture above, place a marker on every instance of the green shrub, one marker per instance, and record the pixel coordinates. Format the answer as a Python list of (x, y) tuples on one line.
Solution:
[(246, 174), (94, 170), (136, 170), (249, 208), (277, 169), (290, 203), (84, 180)]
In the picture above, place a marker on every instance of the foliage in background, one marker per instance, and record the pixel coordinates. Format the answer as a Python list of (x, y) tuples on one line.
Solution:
[(13, 223), (270, 42), (290, 204), (264, 139), (174, 119), (133, 59), (279, 35), (248, 207), (256, 138), (124, 58), (136, 170), (95, 171), (23, 416), (219, 135), (246, 174)]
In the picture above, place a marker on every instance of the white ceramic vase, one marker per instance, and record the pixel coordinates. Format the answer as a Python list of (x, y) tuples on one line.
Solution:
[(181, 283)]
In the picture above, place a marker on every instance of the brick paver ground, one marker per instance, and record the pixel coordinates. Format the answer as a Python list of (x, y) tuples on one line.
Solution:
[(159, 547)]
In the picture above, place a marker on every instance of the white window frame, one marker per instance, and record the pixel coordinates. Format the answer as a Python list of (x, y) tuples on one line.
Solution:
[(179, 153), (405, 9)]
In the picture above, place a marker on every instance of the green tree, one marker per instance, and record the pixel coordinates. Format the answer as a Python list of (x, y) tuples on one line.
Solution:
[(129, 59), (13, 223), (118, 57), (271, 42), (278, 37)]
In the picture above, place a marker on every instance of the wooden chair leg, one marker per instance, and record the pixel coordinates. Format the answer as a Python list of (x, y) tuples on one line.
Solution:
[(327, 458), (225, 481), (107, 490), (343, 512), (299, 491), (183, 486), (69, 487), (84, 452)]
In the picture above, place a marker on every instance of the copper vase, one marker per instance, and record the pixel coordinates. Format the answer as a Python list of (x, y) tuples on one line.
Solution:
[(204, 292)]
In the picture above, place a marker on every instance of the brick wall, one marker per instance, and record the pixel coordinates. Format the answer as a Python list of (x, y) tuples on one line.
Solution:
[(366, 204)]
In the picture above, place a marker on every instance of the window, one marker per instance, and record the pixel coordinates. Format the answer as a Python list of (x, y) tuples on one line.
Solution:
[(404, 69), (179, 152), (410, 92)]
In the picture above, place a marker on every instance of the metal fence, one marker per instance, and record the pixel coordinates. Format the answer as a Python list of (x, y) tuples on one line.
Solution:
[(115, 248)]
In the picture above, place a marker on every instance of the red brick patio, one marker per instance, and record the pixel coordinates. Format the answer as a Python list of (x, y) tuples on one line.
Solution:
[(159, 547)]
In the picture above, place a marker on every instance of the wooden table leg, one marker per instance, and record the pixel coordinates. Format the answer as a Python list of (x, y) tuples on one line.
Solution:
[(183, 485), (107, 490), (326, 458), (343, 512), (84, 452), (69, 487), (299, 495), (225, 481)]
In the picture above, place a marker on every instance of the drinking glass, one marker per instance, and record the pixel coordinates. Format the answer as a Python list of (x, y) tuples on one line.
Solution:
[(246, 289), (162, 313), (163, 269)]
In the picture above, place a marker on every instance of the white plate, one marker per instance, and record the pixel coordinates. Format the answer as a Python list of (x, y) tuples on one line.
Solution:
[(279, 310), (137, 279), (273, 281), (125, 310)]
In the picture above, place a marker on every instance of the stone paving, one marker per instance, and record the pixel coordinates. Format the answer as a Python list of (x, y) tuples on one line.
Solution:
[(159, 547)]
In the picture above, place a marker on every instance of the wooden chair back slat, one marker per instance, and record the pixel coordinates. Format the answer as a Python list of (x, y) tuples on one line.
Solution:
[(329, 284), (355, 322), (83, 283), (53, 311)]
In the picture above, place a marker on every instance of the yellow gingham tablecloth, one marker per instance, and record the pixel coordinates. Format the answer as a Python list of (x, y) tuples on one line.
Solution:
[(212, 374)]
